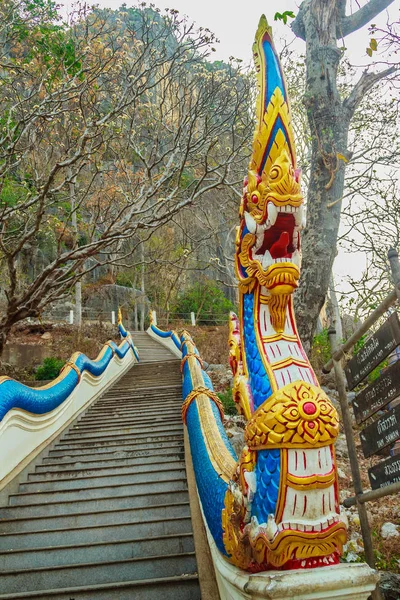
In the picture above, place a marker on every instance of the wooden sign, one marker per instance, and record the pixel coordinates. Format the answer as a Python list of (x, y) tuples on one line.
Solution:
[(385, 473), (375, 350), (378, 394), (381, 433)]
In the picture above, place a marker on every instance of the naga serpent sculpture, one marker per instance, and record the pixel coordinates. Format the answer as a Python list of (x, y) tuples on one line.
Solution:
[(277, 507), (285, 493)]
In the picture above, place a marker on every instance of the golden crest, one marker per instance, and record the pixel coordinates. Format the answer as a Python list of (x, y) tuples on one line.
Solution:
[(279, 186), (299, 415)]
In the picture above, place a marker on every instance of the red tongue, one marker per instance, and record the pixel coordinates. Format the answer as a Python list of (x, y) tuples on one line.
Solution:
[(279, 248)]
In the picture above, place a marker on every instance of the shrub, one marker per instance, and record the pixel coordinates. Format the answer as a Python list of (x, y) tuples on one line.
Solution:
[(124, 279), (207, 301), (321, 350), (228, 402), (50, 369)]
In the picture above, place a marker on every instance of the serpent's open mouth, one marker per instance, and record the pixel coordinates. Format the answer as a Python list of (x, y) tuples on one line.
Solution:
[(278, 238)]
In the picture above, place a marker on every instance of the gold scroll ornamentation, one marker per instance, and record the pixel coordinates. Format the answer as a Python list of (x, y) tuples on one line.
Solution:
[(299, 415), (193, 395)]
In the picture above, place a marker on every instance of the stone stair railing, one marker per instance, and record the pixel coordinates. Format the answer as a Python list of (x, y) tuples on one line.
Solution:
[(31, 417)]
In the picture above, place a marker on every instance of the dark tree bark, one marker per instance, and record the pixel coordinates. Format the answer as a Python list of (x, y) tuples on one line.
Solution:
[(320, 23)]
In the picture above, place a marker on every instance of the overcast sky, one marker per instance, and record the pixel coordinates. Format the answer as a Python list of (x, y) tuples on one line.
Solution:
[(235, 22)]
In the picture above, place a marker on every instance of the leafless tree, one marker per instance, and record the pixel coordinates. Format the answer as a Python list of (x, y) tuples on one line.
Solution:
[(123, 109), (323, 24)]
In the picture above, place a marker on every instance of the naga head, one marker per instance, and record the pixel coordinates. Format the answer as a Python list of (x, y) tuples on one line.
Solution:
[(268, 243)]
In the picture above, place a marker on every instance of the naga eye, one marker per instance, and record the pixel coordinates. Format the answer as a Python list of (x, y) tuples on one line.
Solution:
[(254, 198)]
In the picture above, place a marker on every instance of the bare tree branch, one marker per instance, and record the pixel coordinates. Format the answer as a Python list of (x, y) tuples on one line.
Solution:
[(363, 16), (363, 85)]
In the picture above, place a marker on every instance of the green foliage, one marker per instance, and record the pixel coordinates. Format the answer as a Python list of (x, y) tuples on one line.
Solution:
[(187, 178), (360, 344), (228, 402), (10, 193), (50, 369), (284, 16), (124, 279), (373, 376), (321, 350), (54, 45), (206, 300), (386, 563), (33, 12), (373, 47)]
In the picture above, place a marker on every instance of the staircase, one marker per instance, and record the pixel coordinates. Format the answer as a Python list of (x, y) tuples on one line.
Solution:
[(106, 514)]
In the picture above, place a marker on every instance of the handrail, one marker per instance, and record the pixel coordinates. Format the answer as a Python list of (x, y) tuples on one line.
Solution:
[(41, 400), (29, 417), (214, 459), (170, 338), (363, 328)]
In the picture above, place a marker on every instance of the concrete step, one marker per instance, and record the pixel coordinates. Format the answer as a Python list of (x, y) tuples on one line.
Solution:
[(95, 552), (184, 587), (94, 505), (78, 483), (97, 533), (87, 493), (133, 412), (147, 439), (102, 470), (97, 573), (136, 412), (132, 400), (144, 386), (105, 517), (140, 402), (150, 386), (151, 381), (100, 463), (116, 452), (132, 449), (148, 436), (134, 391), (115, 418), (108, 425), (140, 396), (118, 431)]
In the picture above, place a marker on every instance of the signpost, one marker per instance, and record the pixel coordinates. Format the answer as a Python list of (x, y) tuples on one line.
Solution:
[(375, 350), (381, 433), (384, 430), (378, 394), (385, 473)]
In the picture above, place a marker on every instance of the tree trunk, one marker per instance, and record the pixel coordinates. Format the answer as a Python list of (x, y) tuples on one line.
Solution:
[(4, 333), (78, 303), (329, 124), (320, 23), (336, 312), (142, 287), (74, 222)]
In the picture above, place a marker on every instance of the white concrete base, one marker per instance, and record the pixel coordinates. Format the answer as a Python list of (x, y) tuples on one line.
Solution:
[(351, 581), (167, 342), (22, 434)]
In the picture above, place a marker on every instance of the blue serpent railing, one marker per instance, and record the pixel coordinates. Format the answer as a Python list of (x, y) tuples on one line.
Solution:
[(29, 416)]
